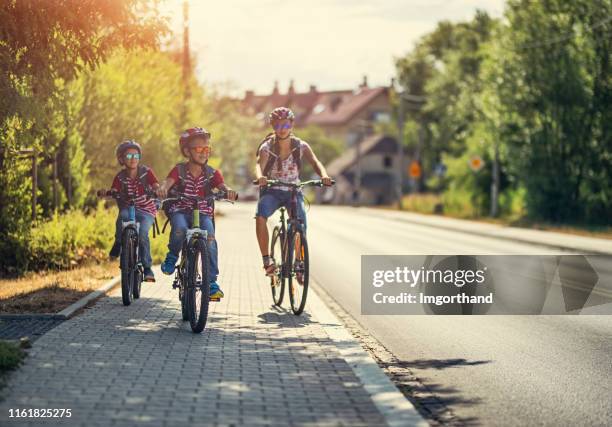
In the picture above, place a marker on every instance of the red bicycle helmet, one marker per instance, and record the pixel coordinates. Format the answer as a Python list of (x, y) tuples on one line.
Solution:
[(189, 135), (124, 146), (281, 113)]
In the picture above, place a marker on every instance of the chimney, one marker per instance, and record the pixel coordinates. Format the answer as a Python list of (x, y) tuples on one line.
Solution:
[(291, 91), (275, 90), (335, 103), (313, 89), (365, 82), (248, 95)]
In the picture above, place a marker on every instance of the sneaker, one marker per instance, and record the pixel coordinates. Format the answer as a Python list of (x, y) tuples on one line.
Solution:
[(115, 252), (215, 291), (169, 264), (148, 275)]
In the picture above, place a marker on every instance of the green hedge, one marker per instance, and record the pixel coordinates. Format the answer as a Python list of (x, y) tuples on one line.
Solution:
[(73, 238)]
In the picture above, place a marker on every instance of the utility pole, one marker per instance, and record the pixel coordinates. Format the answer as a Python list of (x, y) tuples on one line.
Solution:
[(186, 59), (414, 103), (495, 182), (399, 181)]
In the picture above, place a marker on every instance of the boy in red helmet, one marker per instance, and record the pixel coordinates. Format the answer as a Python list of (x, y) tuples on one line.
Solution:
[(133, 180), (194, 178), (280, 157)]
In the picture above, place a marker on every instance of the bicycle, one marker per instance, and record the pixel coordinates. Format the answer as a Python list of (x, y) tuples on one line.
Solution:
[(289, 243), (192, 272), (132, 273)]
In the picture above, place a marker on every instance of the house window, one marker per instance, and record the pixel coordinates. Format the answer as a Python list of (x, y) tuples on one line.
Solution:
[(387, 162)]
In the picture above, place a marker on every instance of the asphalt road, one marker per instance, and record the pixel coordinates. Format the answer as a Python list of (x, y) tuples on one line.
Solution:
[(489, 370)]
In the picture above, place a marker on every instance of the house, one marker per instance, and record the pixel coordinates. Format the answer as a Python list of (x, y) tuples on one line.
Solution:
[(366, 173), (342, 114)]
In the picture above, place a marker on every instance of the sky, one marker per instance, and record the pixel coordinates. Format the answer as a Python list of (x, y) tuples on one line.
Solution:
[(249, 44)]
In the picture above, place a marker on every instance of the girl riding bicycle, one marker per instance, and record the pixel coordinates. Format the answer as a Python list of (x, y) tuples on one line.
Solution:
[(134, 180), (195, 178), (279, 157)]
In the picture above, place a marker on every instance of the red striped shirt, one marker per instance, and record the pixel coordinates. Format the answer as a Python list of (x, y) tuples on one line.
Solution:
[(194, 187), (134, 187)]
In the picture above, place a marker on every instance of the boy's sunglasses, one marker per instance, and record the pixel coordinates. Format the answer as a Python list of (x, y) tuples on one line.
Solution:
[(130, 156), (201, 149), (285, 126)]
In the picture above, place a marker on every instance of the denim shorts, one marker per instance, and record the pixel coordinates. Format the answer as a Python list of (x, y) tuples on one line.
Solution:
[(271, 199)]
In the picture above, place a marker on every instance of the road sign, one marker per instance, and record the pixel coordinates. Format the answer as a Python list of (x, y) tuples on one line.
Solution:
[(476, 163), (414, 170)]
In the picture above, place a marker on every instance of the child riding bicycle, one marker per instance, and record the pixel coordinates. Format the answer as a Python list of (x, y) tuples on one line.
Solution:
[(279, 157), (194, 178), (135, 180)]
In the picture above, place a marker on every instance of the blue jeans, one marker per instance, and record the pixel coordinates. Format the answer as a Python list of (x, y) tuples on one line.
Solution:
[(180, 222), (273, 199), (146, 221)]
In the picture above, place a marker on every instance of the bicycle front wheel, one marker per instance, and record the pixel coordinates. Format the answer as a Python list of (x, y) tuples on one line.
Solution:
[(197, 291), (128, 264), (277, 281), (138, 275), (298, 263)]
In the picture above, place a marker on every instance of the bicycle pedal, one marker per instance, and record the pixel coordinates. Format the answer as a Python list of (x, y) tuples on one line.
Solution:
[(214, 299)]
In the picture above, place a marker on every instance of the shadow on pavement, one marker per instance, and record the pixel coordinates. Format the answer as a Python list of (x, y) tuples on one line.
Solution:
[(440, 363)]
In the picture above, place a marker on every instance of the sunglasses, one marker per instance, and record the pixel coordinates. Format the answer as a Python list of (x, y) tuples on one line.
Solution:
[(201, 149), (285, 126), (130, 156)]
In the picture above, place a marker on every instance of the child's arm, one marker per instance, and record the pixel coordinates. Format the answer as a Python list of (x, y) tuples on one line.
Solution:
[(162, 190), (262, 159), (231, 194), (317, 165)]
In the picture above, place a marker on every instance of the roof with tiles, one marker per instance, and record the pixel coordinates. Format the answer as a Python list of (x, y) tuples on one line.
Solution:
[(331, 108)]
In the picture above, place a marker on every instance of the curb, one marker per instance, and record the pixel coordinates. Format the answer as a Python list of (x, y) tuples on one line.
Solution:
[(392, 404), (69, 311), (581, 251)]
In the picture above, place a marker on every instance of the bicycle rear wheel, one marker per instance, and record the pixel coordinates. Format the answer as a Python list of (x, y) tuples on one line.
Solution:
[(128, 264), (277, 282), (197, 291), (298, 263)]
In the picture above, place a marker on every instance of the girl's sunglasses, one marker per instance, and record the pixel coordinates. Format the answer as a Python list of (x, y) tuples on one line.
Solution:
[(130, 156), (201, 149), (285, 126)]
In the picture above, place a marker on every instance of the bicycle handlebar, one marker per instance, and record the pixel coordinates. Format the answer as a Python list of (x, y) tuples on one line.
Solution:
[(219, 196), (120, 196), (310, 183)]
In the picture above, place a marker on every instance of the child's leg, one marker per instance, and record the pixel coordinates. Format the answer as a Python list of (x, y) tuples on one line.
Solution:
[(179, 225), (144, 246), (123, 215), (206, 223)]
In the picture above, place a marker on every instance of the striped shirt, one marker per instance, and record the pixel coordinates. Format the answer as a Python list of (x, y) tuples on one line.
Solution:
[(194, 187), (134, 187)]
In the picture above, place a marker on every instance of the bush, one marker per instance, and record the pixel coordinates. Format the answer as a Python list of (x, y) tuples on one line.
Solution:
[(10, 356), (74, 238)]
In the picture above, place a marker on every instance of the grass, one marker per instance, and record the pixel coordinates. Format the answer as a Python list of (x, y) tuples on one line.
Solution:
[(52, 291)]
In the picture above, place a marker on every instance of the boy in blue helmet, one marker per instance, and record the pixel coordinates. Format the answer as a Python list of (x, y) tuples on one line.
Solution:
[(134, 180)]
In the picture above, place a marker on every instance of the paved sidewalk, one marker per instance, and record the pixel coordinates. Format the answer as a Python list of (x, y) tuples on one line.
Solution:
[(142, 366)]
